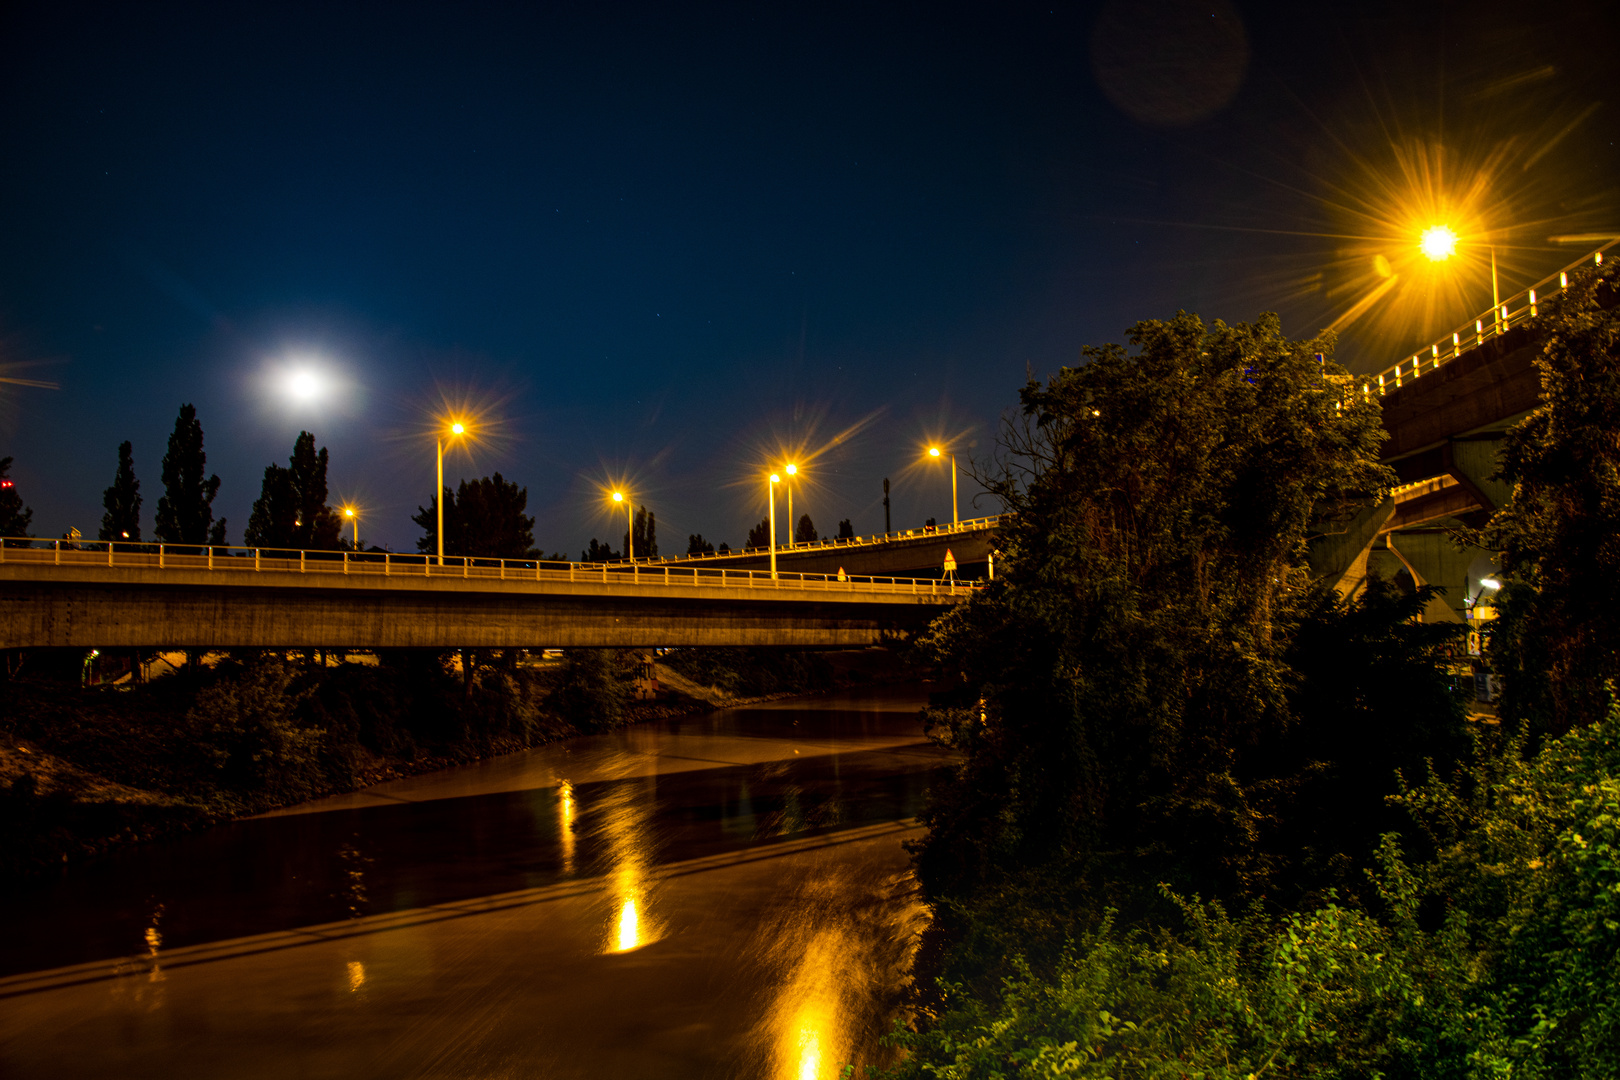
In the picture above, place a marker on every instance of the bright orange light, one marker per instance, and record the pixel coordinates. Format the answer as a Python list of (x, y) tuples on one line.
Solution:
[(458, 428), (792, 470), (775, 479), (933, 451), (348, 511), (618, 496), (1438, 242)]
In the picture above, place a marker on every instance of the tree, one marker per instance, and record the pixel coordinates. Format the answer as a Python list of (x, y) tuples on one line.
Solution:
[(846, 531), (122, 521), (483, 519), (1560, 530), (599, 553), (696, 545), (14, 516), (1114, 679), (646, 545), (291, 510), (185, 513), (760, 535), (806, 532)]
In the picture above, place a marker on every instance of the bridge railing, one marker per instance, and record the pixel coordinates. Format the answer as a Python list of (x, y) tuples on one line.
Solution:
[(830, 542), (226, 560), (1510, 314)]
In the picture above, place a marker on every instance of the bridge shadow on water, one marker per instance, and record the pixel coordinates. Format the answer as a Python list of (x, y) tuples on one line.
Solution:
[(733, 783)]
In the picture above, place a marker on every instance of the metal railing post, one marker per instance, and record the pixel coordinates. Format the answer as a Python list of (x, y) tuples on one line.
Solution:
[(210, 556), (256, 554), (386, 567), (345, 564), (58, 552), (160, 556), (300, 562), (109, 552)]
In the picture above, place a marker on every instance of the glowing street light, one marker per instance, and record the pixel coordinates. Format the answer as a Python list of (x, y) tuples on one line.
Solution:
[(936, 452), (630, 533), (354, 518), (1438, 242), (775, 479), (455, 430)]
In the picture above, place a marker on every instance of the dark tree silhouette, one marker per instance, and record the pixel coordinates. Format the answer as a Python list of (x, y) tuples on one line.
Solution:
[(483, 518), (599, 553), (806, 532), (646, 544), (185, 513), (122, 521), (696, 545), (846, 531), (14, 516), (291, 510), (760, 535)]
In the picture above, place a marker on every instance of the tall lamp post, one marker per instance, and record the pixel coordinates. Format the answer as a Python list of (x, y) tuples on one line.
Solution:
[(775, 479), (936, 452), (630, 534), (1439, 243), (792, 470), (456, 430), (348, 512)]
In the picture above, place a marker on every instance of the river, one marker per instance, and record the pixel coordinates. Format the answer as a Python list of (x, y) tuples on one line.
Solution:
[(723, 895)]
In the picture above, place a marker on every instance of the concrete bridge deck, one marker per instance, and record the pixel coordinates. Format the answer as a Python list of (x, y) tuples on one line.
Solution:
[(109, 596)]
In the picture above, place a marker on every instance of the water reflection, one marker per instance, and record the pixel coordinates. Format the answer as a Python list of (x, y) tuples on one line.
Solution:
[(840, 953), (625, 813), (357, 976), (565, 836)]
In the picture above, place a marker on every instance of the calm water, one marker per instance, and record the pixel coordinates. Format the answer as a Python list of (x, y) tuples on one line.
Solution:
[(723, 895)]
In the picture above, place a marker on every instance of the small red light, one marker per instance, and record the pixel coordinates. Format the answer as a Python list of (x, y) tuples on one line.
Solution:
[(5, 483)]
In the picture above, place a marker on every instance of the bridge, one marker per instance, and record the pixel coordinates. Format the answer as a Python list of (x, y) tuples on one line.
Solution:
[(1446, 409), (114, 595), (915, 553)]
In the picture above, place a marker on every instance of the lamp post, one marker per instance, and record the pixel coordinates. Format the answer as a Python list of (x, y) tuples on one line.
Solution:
[(936, 452), (630, 534), (457, 429), (775, 479), (792, 470), (1439, 243), (348, 512)]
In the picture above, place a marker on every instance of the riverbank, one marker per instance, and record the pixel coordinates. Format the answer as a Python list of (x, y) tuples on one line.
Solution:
[(84, 771)]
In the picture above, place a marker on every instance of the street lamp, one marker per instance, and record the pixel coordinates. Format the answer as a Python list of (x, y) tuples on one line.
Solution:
[(792, 470), (455, 430), (1439, 243), (775, 479), (936, 452), (630, 534), (348, 512)]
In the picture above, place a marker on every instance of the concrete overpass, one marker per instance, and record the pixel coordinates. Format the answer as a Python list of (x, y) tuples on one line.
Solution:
[(100, 595), (912, 553), (1446, 409)]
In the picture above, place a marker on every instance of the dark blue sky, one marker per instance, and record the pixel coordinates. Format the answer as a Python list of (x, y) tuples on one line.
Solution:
[(661, 242)]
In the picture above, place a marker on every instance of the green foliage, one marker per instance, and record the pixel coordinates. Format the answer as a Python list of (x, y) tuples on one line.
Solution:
[(1115, 680), (122, 501), (248, 729), (595, 688), (753, 672), (185, 512), (1560, 531), (291, 510), (483, 518)]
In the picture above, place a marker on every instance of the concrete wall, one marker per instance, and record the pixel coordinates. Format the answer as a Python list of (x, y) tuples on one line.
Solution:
[(44, 606)]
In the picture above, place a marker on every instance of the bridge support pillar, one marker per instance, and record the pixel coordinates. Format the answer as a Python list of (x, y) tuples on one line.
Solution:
[(1433, 558), (1341, 556)]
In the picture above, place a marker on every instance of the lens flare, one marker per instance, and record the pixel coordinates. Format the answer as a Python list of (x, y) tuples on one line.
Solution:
[(1438, 242)]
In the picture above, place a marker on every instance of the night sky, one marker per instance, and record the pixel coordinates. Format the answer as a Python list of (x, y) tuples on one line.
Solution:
[(665, 245)]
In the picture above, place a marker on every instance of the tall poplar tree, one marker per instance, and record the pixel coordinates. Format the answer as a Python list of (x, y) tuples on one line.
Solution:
[(122, 521), (291, 510), (185, 513), (14, 516)]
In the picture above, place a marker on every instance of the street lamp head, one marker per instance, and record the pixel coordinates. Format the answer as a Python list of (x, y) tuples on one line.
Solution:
[(618, 496), (1489, 583), (458, 428), (775, 479), (792, 470), (933, 451), (1438, 243), (348, 511)]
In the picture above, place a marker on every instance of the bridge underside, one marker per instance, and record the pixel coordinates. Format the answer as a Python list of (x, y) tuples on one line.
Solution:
[(43, 614)]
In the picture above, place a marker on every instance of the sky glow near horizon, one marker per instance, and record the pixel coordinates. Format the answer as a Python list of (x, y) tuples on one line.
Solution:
[(676, 249)]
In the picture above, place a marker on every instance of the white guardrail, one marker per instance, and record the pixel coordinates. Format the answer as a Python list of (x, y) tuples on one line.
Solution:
[(243, 560), (1510, 314), (830, 543)]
